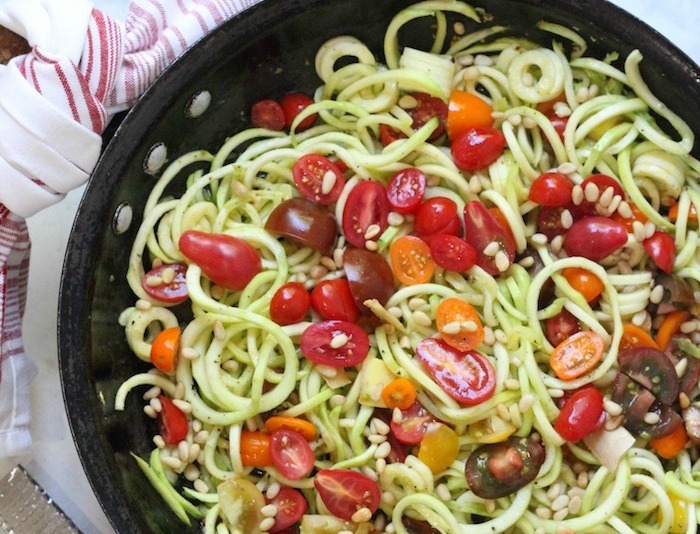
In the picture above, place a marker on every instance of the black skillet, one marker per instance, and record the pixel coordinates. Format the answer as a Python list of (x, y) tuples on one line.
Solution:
[(265, 52)]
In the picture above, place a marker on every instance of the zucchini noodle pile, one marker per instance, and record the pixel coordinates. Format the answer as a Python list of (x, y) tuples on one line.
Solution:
[(235, 363)]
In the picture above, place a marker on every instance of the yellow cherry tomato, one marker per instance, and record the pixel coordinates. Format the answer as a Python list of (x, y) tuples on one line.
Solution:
[(439, 447), (679, 524)]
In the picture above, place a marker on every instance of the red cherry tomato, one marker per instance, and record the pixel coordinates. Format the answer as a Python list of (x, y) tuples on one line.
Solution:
[(561, 327), (291, 507), (173, 292), (594, 238), (426, 108), (551, 189), (311, 171), (365, 206), (227, 260), (267, 114), (580, 415), (480, 229), (477, 148), (406, 189), (452, 253), (289, 304), (467, 377), (304, 221), (332, 299), (437, 215), (413, 425), (315, 343), (344, 492), (549, 221), (292, 105), (559, 124), (291, 454), (172, 421), (662, 249), (602, 182)]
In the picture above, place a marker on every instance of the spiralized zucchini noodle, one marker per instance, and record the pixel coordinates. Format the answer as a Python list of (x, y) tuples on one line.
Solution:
[(235, 366)]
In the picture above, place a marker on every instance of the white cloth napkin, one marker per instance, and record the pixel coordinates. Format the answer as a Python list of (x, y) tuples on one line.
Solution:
[(54, 104)]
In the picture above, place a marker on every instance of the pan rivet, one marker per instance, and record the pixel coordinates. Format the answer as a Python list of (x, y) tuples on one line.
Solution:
[(155, 158), (198, 104), (123, 216)]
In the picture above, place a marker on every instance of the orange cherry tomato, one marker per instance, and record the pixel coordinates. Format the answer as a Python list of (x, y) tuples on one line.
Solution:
[(584, 281), (399, 393), (576, 355), (692, 214), (439, 447), (302, 426), (411, 260), (670, 445), (637, 215), (459, 324), (165, 348), (466, 110), (255, 449), (671, 324), (634, 337)]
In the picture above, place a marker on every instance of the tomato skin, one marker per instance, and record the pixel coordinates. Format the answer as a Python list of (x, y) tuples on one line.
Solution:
[(267, 114), (437, 215), (289, 304), (467, 377), (580, 414), (165, 348), (662, 249), (172, 421), (452, 253), (594, 238), (413, 425), (255, 448), (439, 448), (172, 293), (344, 491), (309, 171), (549, 221), (369, 276), (551, 189), (426, 108), (477, 148), (227, 260), (293, 104), (466, 110), (584, 281), (406, 189), (304, 221), (291, 507), (562, 326), (315, 344), (481, 228), (411, 261), (332, 299), (291, 454), (576, 355), (367, 204)]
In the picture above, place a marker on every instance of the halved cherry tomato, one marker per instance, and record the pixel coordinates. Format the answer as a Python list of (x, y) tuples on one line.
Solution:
[(584, 281), (291, 507), (302, 426), (292, 105), (576, 355), (172, 292), (332, 299), (549, 221), (633, 336), (602, 183), (637, 215), (547, 107), (466, 110), (318, 178), (662, 249), (561, 327), (291, 454), (580, 414), (671, 445), (317, 343), (670, 325), (437, 215), (413, 424), (405, 190), (399, 393), (594, 238), (477, 148), (692, 213), (426, 108), (459, 324), (267, 114), (467, 377), (452, 253), (680, 506), (369, 276), (165, 348), (481, 229), (551, 189), (501, 220), (411, 260), (344, 492), (439, 448), (653, 370), (366, 205), (304, 221), (228, 261), (255, 448), (289, 304), (172, 421)]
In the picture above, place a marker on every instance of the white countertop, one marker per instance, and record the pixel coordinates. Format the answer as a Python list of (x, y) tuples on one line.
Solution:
[(54, 462)]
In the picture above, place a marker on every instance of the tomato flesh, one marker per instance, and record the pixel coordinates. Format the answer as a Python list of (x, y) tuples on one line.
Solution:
[(551, 189), (662, 249), (413, 424), (452, 253), (366, 205), (344, 491), (317, 341), (291, 507), (481, 229), (576, 355), (411, 260), (406, 189), (291, 454), (312, 173), (332, 299), (580, 414), (594, 238), (560, 327), (172, 292), (172, 421), (477, 148)]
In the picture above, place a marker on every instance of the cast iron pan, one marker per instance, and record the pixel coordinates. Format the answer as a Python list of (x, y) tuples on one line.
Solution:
[(265, 52)]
